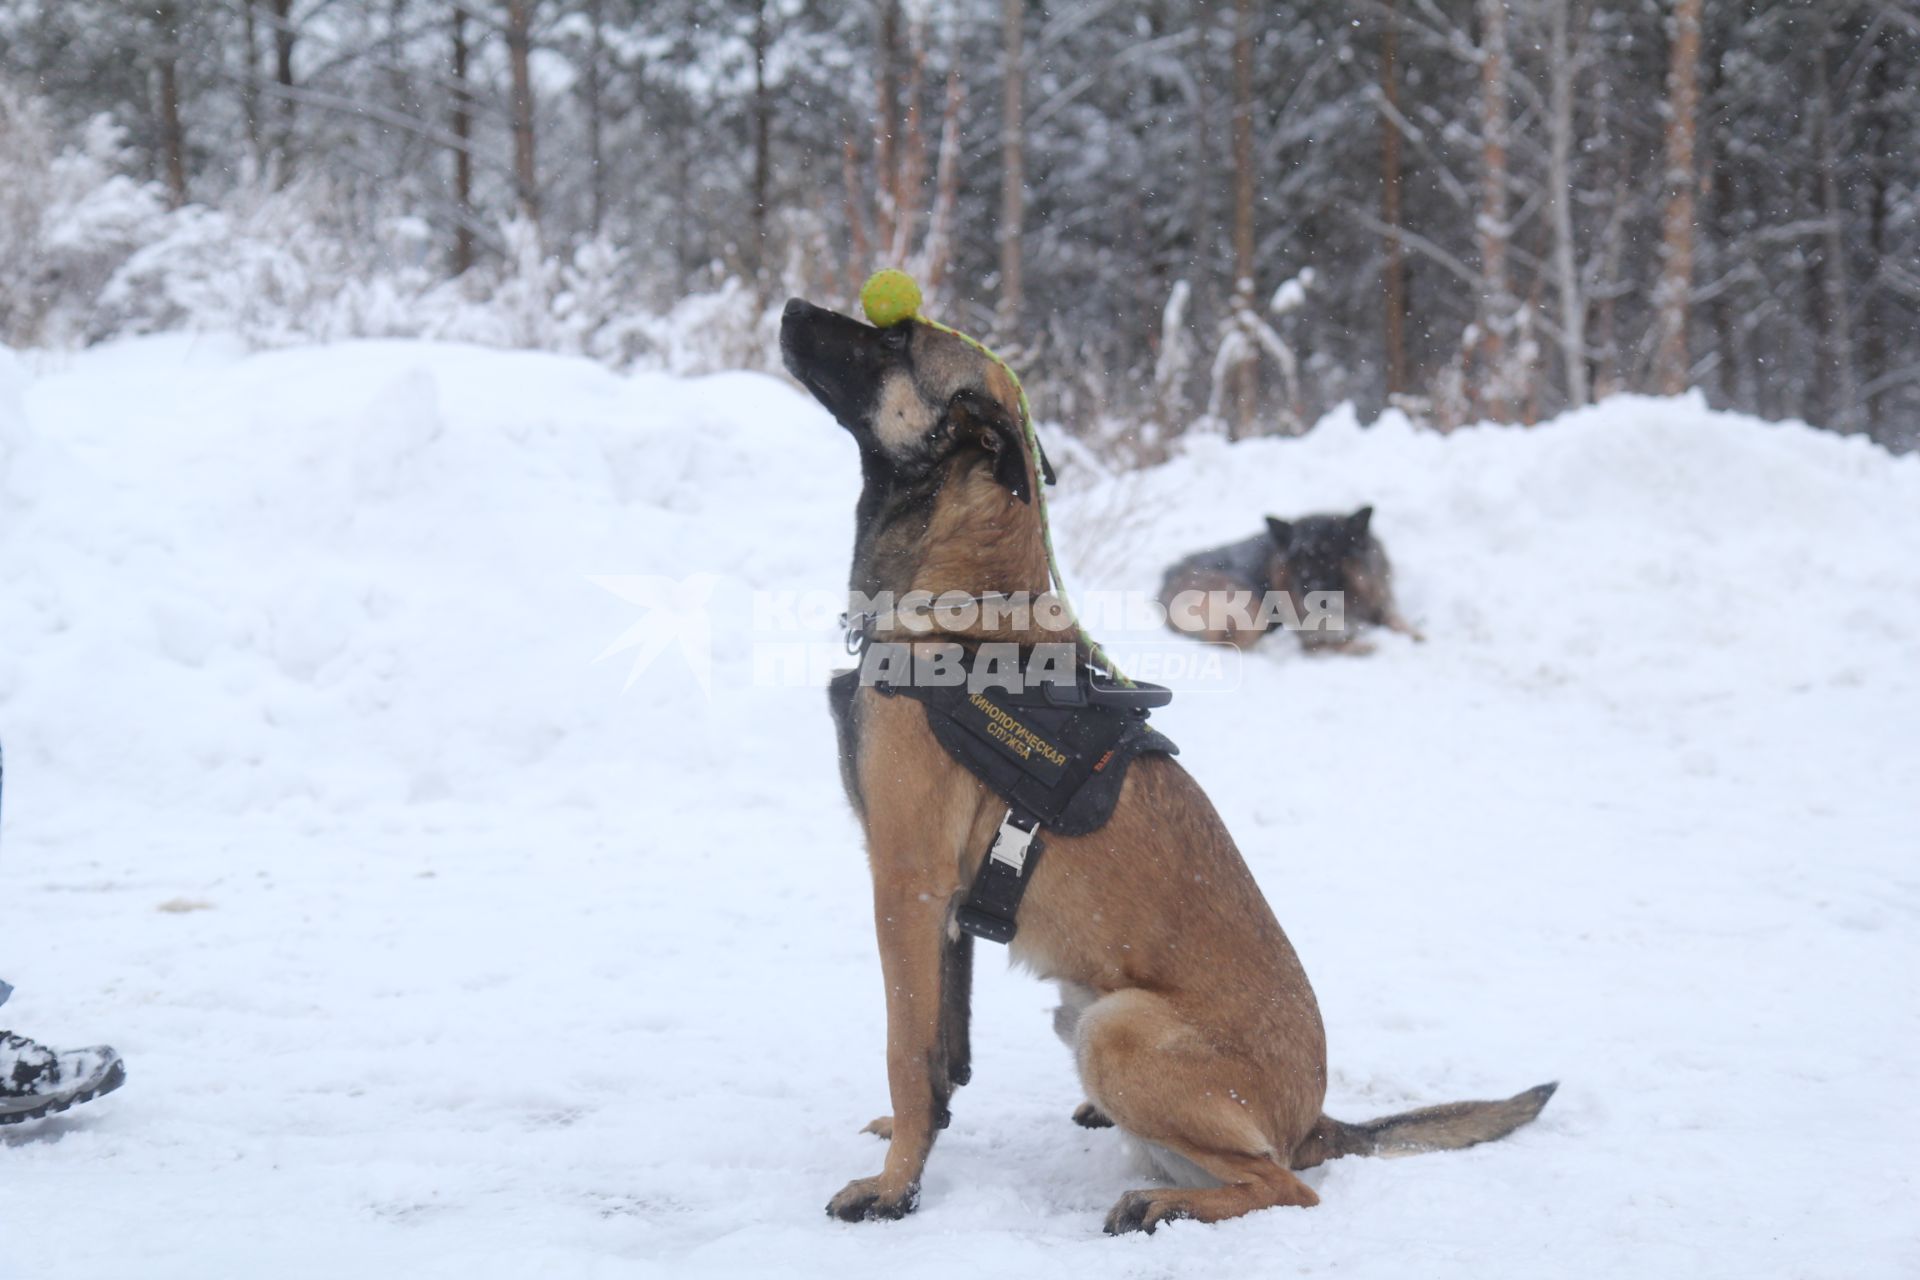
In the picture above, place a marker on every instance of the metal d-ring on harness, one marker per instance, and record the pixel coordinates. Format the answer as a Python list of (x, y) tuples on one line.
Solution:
[(1055, 750)]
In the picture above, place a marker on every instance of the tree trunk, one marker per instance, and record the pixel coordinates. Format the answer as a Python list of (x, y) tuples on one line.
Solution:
[(1604, 336), (283, 76), (886, 122), (1497, 306), (403, 160), (1573, 302), (1013, 164), (250, 82), (1246, 376), (173, 144), (946, 188), (519, 33), (1726, 312), (1876, 316), (596, 132), (910, 157), (1394, 269), (762, 145), (1195, 174), (1671, 363), (860, 247), (1841, 408), (461, 125)]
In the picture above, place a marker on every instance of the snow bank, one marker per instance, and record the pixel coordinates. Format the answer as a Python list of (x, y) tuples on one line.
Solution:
[(435, 947)]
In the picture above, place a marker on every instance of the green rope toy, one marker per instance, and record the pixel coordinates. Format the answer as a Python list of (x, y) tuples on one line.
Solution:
[(890, 296)]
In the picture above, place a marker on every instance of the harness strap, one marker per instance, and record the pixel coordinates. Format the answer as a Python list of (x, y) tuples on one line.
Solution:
[(993, 900)]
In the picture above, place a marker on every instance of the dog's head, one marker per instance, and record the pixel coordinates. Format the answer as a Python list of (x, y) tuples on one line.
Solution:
[(1320, 553), (918, 400)]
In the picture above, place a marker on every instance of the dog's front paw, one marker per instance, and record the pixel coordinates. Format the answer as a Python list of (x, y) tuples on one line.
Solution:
[(1143, 1211), (867, 1199), (1088, 1116)]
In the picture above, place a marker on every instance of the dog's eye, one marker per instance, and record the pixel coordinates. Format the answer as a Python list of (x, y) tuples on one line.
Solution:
[(894, 338)]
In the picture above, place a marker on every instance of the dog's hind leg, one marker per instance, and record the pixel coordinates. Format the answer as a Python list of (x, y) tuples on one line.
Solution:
[(1163, 1082), (1075, 999), (1394, 622), (1247, 1183)]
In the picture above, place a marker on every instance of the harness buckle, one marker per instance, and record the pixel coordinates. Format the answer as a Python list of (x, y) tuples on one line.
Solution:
[(1011, 843), (994, 900)]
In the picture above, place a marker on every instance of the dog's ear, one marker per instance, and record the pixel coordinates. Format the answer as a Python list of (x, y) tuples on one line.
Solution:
[(982, 421), (1281, 531), (1357, 522)]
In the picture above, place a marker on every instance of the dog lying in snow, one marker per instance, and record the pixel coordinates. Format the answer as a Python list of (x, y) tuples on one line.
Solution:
[(1189, 1015), (1300, 558)]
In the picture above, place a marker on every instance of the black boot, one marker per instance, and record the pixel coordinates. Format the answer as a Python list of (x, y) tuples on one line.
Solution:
[(36, 1081)]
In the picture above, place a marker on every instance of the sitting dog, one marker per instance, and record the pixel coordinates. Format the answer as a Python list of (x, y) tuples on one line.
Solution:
[(1298, 557), (1188, 1013)]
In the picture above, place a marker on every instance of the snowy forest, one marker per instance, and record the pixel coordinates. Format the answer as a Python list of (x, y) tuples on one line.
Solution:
[(429, 847), (1174, 212)]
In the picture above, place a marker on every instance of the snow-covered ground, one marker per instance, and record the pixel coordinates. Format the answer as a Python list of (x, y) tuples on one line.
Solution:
[(435, 950)]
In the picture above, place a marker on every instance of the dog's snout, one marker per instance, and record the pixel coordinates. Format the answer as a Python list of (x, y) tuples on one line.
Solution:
[(800, 322), (796, 325), (799, 313), (838, 359)]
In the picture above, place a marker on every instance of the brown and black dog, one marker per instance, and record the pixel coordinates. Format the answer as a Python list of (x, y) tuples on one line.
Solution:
[(1303, 557), (1187, 1011)]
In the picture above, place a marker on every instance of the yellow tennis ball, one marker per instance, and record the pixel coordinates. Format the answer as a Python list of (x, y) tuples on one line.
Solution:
[(889, 296)]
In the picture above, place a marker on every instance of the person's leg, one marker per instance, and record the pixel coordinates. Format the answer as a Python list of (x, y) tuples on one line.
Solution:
[(36, 1081)]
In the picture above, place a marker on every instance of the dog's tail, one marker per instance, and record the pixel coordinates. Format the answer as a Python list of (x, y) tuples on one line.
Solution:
[(1447, 1127)]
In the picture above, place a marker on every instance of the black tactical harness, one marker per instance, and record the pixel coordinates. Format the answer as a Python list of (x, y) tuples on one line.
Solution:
[(1056, 752)]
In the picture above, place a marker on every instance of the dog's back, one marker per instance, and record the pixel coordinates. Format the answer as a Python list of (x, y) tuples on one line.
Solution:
[(1246, 562), (1238, 569)]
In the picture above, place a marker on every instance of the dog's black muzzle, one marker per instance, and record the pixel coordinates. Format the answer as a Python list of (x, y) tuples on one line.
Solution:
[(838, 359)]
